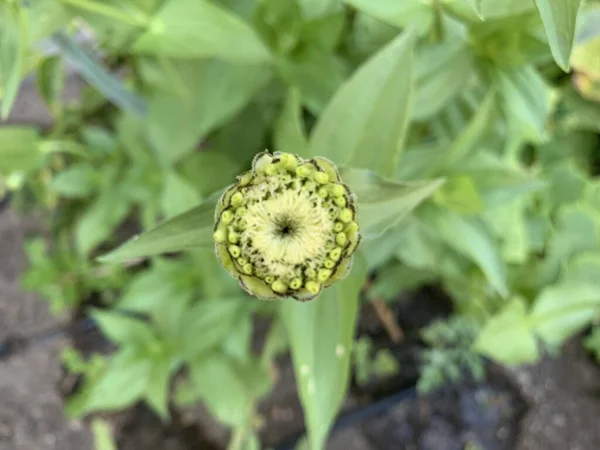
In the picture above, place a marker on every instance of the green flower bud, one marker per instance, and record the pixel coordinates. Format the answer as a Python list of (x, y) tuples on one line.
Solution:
[(337, 190), (341, 239), (321, 177), (234, 250), (227, 217), (345, 215), (296, 283), (287, 228), (279, 287)]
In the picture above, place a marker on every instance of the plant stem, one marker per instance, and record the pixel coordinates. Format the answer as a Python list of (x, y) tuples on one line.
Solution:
[(386, 316)]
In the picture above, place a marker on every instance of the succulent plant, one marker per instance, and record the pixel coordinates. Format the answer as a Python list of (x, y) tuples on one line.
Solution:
[(287, 228)]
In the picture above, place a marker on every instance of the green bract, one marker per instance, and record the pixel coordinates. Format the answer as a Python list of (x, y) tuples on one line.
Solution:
[(287, 228)]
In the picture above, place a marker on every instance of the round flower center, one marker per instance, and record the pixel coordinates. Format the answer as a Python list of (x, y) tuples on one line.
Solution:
[(287, 227)]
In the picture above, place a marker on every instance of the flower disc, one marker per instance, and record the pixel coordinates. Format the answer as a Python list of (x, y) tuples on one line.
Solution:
[(287, 228)]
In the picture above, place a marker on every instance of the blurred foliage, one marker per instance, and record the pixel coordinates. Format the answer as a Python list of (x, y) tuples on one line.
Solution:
[(469, 129)]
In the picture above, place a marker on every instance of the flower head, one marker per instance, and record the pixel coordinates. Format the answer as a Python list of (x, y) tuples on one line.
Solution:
[(287, 228)]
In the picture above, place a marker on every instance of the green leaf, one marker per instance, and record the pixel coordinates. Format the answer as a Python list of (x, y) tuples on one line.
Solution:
[(526, 99), (122, 329), (206, 95), (467, 142), (50, 81), (178, 195), (397, 13), (227, 389), (192, 229), (460, 195), (364, 124), (477, 7), (124, 382), (496, 9), (100, 220), (384, 203), (77, 180), (200, 29), (103, 437), (321, 338), (317, 74), (290, 133), (19, 150), (157, 391), (441, 72), (507, 336), (208, 323), (469, 237), (48, 16), (584, 268), (108, 84), (559, 18), (13, 43), (562, 310)]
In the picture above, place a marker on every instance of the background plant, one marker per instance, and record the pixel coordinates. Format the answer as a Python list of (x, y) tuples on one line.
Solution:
[(473, 92)]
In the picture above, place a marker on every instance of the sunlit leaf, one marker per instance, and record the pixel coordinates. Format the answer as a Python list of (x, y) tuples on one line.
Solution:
[(199, 29), (364, 124), (470, 237), (191, 229), (321, 336), (507, 336), (559, 18), (383, 203), (562, 310)]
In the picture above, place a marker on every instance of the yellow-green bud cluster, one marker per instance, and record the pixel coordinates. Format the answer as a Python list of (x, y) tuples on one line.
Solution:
[(288, 227)]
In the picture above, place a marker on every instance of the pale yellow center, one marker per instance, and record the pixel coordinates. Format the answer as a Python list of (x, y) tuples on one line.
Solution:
[(289, 229)]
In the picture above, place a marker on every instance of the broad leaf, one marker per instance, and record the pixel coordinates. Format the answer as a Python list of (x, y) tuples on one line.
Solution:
[(100, 220), (469, 237), (122, 329), (208, 323), (562, 310), (507, 336), (321, 337), (559, 18), (19, 150), (200, 29), (364, 124), (227, 388), (178, 195), (526, 101), (441, 72), (202, 96), (191, 229), (124, 382), (384, 203), (397, 13)]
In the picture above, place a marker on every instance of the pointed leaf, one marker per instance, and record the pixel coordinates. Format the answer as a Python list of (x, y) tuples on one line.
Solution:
[(469, 237), (321, 337), (559, 18), (507, 336), (290, 133), (192, 229), (364, 123), (383, 203), (200, 29), (562, 310)]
